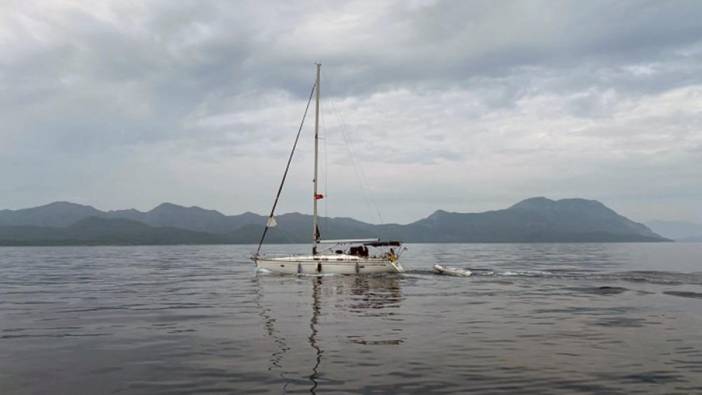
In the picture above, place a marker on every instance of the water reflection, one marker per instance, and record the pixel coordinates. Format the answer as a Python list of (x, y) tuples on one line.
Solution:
[(375, 293), (355, 299), (275, 361), (314, 321)]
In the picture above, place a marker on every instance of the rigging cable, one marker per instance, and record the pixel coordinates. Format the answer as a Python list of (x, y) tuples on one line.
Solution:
[(358, 169), (287, 167), (326, 174)]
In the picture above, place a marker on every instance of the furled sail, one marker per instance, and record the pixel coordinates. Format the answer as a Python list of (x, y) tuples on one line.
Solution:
[(271, 223)]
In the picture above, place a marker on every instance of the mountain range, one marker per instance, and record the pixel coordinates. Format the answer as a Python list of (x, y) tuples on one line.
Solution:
[(532, 220)]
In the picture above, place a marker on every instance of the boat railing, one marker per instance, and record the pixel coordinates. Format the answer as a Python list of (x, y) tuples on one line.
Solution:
[(279, 255)]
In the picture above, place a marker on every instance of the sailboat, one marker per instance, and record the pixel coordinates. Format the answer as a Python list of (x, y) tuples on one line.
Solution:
[(343, 256)]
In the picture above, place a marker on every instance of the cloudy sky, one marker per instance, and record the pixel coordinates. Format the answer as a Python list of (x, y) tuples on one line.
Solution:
[(458, 105)]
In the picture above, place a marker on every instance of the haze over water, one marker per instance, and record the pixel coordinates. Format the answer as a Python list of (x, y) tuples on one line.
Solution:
[(534, 318)]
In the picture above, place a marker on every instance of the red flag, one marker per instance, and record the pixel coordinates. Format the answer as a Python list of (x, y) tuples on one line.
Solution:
[(318, 196)]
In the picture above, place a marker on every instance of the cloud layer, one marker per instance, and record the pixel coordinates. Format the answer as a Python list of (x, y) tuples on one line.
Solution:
[(463, 106)]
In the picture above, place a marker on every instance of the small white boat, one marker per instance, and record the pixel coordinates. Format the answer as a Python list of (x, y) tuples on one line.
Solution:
[(346, 256), (452, 271)]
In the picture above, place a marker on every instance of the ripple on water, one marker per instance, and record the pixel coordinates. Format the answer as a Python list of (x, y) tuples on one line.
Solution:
[(540, 319), (684, 294), (601, 290)]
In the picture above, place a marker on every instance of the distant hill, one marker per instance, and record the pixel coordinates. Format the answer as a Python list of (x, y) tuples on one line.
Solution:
[(58, 214), (193, 218), (105, 231), (531, 220), (62, 214), (677, 230)]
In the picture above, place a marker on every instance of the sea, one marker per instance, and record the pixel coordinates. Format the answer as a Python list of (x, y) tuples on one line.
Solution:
[(619, 318)]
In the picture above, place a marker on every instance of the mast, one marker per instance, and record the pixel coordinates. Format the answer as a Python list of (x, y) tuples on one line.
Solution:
[(315, 228)]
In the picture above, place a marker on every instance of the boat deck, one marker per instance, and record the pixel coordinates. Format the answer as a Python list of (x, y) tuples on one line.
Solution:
[(332, 263)]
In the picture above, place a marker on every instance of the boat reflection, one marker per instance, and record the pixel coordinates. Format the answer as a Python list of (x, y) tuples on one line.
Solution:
[(375, 293), (359, 297), (275, 361), (314, 322)]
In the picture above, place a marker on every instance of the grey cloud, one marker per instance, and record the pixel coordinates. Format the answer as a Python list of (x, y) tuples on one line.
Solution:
[(90, 93)]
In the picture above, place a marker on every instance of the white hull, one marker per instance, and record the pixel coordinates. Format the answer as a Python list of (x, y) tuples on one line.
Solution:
[(326, 264)]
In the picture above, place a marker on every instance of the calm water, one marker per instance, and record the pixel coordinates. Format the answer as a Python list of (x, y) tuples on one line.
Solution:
[(538, 318)]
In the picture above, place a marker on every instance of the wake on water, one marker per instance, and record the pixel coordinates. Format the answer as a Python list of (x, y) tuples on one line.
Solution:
[(652, 277)]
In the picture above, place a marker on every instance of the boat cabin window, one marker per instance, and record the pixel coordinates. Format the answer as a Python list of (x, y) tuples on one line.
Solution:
[(361, 251)]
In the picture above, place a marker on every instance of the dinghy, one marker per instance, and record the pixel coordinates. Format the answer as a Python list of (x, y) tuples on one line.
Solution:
[(451, 271)]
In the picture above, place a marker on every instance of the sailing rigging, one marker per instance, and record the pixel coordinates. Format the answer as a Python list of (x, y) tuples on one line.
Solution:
[(347, 256)]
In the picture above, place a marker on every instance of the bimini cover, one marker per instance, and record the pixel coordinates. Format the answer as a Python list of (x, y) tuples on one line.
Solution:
[(383, 244)]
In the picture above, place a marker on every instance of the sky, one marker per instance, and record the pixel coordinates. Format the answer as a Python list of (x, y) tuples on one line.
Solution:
[(463, 106)]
